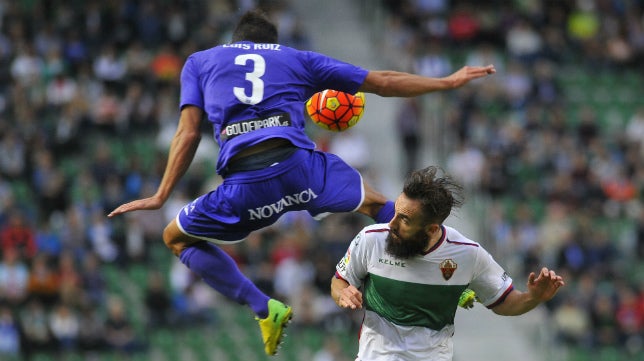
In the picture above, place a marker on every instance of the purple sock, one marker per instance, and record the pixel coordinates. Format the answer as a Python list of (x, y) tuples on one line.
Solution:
[(386, 213), (220, 272)]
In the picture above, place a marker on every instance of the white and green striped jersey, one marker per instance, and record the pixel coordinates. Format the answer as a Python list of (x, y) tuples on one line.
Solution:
[(410, 304)]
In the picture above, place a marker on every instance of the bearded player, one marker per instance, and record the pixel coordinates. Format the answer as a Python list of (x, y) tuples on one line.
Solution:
[(410, 273)]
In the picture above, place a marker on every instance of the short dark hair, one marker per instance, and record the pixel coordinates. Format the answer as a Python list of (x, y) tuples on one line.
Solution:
[(255, 26), (437, 193)]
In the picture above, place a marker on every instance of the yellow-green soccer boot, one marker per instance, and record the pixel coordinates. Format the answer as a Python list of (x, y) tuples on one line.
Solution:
[(272, 327)]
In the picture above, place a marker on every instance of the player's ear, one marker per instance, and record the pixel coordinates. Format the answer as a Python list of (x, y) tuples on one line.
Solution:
[(431, 229)]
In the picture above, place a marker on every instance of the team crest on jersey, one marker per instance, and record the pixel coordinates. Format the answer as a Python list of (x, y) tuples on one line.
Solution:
[(448, 267)]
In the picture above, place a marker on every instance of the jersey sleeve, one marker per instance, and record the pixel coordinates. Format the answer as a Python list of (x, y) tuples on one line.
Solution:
[(336, 74), (353, 267), (191, 93), (491, 283)]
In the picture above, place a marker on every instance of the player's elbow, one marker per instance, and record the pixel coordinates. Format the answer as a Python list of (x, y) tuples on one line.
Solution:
[(189, 136), (379, 83)]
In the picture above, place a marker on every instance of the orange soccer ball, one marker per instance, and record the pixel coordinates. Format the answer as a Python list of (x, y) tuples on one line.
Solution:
[(335, 110)]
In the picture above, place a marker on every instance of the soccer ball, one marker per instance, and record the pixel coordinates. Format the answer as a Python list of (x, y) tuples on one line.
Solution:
[(335, 110)]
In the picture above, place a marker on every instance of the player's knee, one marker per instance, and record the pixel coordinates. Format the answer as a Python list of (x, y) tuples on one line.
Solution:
[(173, 239)]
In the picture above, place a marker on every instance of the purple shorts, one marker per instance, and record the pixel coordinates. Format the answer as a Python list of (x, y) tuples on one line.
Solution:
[(315, 181)]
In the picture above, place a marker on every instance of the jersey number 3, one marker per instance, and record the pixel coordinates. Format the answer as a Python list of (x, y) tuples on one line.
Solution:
[(254, 77)]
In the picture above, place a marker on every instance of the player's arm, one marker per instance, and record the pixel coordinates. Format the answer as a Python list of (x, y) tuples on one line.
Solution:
[(389, 83), (182, 151), (345, 295), (541, 288)]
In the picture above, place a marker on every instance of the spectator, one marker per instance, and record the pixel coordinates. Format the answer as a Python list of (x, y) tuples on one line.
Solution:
[(7, 198), (139, 108), (69, 279), (14, 278), (640, 236), (73, 234), (157, 302), (634, 131), (9, 335), (517, 85), (75, 49), (106, 118), (587, 129), (572, 322), (137, 60), (408, 124), (463, 24), (13, 155), (66, 139), (65, 327), (629, 314), (352, 146), (432, 61), (119, 332), (604, 324), (91, 339), (93, 281), (166, 65), (149, 24), (61, 91), (109, 66), (27, 65), (18, 235), (292, 275), (34, 324), (44, 281), (54, 67), (523, 42), (99, 234), (104, 163), (467, 164), (49, 184)]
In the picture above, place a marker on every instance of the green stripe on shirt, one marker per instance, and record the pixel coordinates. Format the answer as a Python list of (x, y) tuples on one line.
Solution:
[(412, 304)]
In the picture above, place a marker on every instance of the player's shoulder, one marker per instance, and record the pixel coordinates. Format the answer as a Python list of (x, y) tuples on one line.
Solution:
[(454, 238), (378, 228), (375, 233), (370, 237)]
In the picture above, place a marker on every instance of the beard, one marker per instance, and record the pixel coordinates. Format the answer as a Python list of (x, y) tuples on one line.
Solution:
[(403, 248)]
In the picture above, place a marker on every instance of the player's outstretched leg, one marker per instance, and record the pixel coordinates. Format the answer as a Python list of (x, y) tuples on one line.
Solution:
[(272, 327), (221, 273)]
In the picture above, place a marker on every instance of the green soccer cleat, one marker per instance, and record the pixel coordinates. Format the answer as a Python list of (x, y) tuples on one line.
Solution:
[(272, 327), (467, 299)]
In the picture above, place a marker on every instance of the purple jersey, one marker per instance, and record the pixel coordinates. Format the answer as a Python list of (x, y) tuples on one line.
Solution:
[(253, 92)]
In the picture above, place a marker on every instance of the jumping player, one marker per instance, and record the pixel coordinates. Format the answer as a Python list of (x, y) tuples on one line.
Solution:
[(252, 92)]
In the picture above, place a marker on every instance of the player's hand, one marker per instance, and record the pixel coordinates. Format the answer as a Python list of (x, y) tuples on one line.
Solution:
[(467, 73), (350, 297), (544, 286), (149, 203)]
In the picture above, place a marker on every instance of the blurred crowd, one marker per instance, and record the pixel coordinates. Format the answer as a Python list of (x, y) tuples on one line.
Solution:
[(89, 99), (88, 96), (562, 180)]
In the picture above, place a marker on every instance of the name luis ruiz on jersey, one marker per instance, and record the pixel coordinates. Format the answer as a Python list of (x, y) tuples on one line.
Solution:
[(269, 210), (259, 46)]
